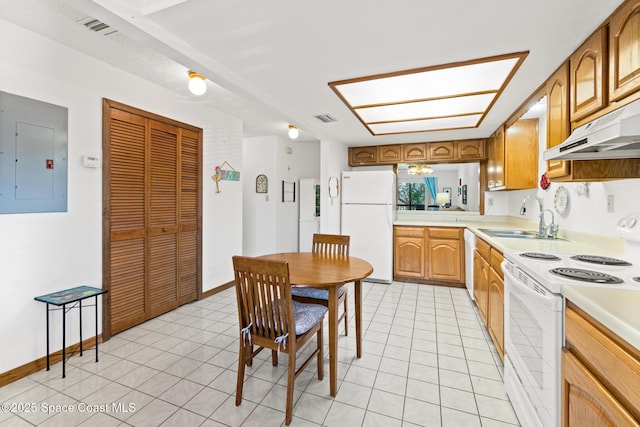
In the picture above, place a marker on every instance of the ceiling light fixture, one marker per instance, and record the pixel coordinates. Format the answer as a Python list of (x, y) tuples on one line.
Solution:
[(197, 83), (442, 97), (293, 132), (419, 170)]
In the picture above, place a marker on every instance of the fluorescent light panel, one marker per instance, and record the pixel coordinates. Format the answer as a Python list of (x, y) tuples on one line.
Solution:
[(426, 125), (421, 109), (421, 100)]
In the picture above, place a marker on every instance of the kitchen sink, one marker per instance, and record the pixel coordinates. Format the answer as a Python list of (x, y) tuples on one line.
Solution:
[(514, 234)]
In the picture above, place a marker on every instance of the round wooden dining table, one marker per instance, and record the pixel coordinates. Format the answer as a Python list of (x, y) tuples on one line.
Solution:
[(329, 272)]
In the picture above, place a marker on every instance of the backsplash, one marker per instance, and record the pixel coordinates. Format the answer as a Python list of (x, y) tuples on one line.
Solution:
[(586, 212)]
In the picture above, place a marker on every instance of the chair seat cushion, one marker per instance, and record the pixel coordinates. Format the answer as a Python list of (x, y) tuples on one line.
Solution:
[(315, 292), (307, 315)]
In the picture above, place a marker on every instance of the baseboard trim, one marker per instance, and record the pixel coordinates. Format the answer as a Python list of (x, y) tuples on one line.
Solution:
[(218, 289), (41, 363), (428, 282)]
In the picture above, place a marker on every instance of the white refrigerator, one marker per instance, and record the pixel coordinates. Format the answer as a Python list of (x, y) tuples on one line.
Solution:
[(368, 213), (309, 218)]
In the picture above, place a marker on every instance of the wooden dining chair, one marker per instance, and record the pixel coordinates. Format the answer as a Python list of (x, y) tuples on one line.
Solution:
[(331, 245), (269, 318)]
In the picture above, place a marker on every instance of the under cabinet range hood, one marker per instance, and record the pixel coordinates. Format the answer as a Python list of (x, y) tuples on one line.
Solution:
[(615, 135)]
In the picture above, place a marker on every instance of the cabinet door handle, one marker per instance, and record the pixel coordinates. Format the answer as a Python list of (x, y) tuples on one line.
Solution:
[(164, 230)]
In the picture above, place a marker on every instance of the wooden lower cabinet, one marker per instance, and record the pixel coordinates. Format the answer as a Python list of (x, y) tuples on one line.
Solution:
[(481, 284), (488, 290), (600, 375), (429, 255), (495, 311), (409, 252), (445, 254), (586, 401)]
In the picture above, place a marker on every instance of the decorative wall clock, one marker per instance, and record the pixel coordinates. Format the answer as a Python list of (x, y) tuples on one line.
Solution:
[(262, 184), (561, 200)]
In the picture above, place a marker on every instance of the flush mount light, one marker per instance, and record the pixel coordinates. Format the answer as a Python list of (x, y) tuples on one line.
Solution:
[(197, 84), (443, 97), (419, 170), (293, 132)]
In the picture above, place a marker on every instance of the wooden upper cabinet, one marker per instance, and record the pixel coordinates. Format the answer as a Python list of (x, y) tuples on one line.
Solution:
[(495, 164), (558, 118), (363, 155), (442, 151), (389, 154), (513, 156), (470, 149), (624, 50), (521, 155), (588, 66), (414, 152)]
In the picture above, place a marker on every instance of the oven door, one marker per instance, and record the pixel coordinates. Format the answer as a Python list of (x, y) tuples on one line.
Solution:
[(533, 333)]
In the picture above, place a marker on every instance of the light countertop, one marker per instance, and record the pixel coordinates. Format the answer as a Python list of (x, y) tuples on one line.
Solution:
[(570, 242), (617, 309)]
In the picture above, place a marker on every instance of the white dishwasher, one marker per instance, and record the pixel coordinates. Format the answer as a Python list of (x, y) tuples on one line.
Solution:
[(469, 247)]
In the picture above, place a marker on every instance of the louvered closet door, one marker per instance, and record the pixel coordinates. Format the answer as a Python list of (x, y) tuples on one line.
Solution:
[(126, 223), (163, 217), (188, 265), (152, 189)]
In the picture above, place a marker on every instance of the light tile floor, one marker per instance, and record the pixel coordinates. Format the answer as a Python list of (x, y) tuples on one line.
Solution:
[(428, 361)]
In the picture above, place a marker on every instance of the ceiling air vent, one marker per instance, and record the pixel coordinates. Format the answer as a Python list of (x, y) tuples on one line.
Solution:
[(97, 26), (326, 118)]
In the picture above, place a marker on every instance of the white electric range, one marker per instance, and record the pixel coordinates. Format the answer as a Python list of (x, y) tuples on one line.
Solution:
[(534, 317)]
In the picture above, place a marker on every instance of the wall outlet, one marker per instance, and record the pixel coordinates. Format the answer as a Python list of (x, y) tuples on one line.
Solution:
[(490, 201), (610, 203)]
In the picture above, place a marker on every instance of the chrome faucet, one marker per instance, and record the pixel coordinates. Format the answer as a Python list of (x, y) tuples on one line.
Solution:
[(543, 231), (551, 231)]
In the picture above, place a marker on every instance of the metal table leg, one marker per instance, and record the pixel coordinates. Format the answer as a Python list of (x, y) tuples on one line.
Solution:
[(64, 334), (47, 336)]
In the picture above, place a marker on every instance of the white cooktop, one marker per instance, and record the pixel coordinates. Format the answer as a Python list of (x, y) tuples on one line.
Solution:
[(540, 271)]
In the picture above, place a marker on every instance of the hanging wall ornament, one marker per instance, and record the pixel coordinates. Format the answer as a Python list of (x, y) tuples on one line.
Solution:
[(544, 183), (217, 177)]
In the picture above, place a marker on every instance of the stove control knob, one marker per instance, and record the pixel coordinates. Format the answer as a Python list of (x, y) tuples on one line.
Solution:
[(622, 222), (632, 221)]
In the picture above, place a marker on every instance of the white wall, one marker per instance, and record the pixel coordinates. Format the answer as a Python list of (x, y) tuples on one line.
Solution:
[(269, 224), (333, 160), (46, 252), (586, 213), (469, 173), (259, 210)]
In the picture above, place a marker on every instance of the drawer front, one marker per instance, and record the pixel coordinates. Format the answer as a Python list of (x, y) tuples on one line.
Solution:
[(409, 232), (614, 365), (483, 248), (496, 259), (444, 233)]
